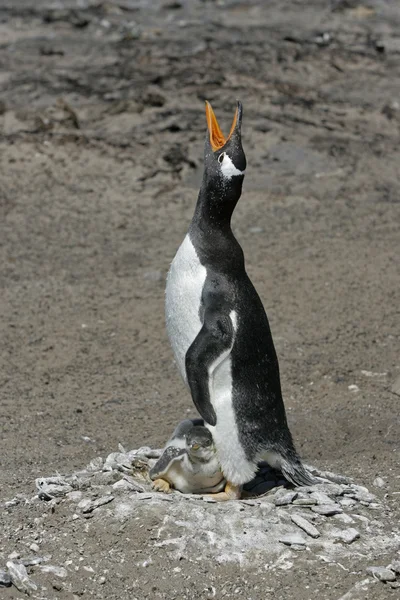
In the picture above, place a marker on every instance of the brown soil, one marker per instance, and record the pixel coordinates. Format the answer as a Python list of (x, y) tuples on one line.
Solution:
[(101, 135)]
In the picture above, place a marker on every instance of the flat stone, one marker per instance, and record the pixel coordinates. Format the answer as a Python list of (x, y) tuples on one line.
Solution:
[(305, 501), (5, 579), (20, 578), (330, 489), (284, 499), (89, 506), (305, 526), (327, 509), (363, 497), (321, 498), (348, 536), (382, 573), (347, 502), (292, 539), (343, 518)]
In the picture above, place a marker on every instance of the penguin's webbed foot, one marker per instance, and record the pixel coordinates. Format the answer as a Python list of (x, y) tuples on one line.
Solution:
[(161, 485), (231, 492)]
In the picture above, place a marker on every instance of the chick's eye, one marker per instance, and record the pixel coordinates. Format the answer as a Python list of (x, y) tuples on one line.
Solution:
[(221, 158)]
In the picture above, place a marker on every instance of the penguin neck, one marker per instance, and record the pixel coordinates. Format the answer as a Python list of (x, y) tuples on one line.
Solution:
[(215, 205)]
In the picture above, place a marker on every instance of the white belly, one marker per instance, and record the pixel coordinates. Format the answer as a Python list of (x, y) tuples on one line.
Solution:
[(185, 283), (190, 478), (234, 464)]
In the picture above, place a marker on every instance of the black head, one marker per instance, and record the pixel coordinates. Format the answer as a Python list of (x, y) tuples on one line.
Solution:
[(199, 437), (224, 158), (224, 166)]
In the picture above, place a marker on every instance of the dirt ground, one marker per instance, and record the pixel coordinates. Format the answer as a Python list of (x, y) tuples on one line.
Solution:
[(101, 138)]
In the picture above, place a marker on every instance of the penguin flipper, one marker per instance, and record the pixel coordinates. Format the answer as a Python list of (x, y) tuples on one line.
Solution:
[(211, 343)]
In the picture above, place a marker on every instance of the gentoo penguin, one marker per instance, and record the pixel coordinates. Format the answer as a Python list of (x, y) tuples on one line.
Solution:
[(189, 461), (219, 330)]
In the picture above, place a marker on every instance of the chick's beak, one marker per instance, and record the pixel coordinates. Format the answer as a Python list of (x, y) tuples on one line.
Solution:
[(217, 138)]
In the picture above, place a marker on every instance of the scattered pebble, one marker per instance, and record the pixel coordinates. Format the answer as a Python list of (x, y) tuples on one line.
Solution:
[(382, 573), (34, 547)]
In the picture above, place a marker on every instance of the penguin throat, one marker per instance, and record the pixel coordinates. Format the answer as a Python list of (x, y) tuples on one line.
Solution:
[(217, 201)]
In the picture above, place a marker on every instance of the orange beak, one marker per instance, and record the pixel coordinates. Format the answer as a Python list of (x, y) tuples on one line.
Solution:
[(217, 138)]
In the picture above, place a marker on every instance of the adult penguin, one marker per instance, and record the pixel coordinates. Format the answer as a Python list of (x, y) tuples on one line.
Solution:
[(219, 330)]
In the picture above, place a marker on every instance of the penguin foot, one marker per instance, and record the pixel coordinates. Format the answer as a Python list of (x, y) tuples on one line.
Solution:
[(161, 485), (231, 492)]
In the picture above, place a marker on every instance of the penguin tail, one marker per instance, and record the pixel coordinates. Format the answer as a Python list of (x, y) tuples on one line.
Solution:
[(296, 473)]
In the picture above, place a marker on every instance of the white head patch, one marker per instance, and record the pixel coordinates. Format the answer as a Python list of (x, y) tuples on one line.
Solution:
[(228, 169)]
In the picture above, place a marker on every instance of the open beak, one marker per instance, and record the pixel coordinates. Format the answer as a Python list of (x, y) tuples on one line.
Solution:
[(217, 138)]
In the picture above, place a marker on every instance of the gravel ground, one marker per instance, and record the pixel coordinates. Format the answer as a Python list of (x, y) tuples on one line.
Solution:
[(101, 137)]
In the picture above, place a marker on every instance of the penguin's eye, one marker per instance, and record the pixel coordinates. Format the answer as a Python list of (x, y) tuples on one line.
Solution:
[(221, 158)]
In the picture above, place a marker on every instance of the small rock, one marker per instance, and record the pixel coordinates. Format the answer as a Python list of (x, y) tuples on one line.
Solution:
[(347, 502), (89, 506), (123, 486), (95, 465), (52, 487), (305, 526), (117, 461), (321, 498), (395, 566), (5, 579), (284, 499), (353, 388), (292, 539), (57, 571), (382, 573), (135, 486), (343, 518), (34, 547), (305, 501), (395, 389), (102, 580), (378, 482), (20, 578), (330, 489), (75, 496), (363, 497), (33, 561), (348, 536), (327, 509)]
